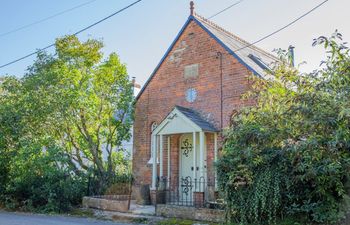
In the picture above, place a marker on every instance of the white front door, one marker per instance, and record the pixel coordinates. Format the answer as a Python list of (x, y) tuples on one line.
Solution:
[(189, 171)]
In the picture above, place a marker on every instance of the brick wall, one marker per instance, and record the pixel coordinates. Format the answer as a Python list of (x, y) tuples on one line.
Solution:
[(167, 89)]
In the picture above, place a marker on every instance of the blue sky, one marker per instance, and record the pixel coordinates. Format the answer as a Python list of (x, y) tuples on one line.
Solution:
[(142, 34)]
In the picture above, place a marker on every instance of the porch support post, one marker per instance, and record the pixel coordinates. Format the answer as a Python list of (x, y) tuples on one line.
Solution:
[(201, 153), (215, 159), (154, 165), (168, 173), (160, 156), (194, 151)]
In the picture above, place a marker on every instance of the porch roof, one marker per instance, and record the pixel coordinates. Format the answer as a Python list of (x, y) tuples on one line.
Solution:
[(197, 119), (184, 120)]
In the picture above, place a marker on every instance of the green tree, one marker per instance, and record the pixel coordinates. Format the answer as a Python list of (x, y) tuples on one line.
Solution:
[(81, 102), (63, 121), (289, 154), (34, 172), (10, 127)]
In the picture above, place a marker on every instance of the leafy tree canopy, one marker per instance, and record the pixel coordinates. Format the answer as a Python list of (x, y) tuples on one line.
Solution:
[(73, 109), (289, 154)]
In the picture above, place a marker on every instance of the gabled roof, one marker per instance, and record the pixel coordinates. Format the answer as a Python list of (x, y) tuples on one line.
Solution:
[(195, 117), (183, 120), (253, 58)]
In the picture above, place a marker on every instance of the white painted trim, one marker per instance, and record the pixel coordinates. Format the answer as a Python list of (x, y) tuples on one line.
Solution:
[(176, 113), (153, 127), (216, 159), (190, 122), (150, 161), (161, 156), (168, 174), (194, 156), (180, 161), (154, 166), (163, 124), (201, 154)]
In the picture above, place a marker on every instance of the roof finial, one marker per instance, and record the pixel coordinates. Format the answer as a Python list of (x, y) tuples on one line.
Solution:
[(192, 7)]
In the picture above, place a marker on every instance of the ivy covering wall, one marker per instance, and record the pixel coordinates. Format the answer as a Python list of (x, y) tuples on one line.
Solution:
[(288, 156)]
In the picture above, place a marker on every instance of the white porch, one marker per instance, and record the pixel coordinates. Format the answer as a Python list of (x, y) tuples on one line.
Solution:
[(192, 148)]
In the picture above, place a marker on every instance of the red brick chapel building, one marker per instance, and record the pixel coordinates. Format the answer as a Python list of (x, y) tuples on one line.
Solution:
[(186, 103)]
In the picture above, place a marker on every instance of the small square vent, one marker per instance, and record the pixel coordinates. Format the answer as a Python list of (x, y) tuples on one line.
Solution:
[(191, 71)]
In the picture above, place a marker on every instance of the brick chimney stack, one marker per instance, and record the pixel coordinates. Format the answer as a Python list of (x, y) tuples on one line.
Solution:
[(291, 55), (135, 86)]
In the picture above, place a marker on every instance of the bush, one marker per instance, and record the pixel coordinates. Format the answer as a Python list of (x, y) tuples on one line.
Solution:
[(42, 181), (119, 182), (63, 123), (289, 154)]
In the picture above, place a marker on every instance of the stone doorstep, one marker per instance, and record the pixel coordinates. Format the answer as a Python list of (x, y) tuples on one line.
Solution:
[(147, 210)]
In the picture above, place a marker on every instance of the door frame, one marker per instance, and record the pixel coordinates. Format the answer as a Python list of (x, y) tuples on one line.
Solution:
[(181, 155)]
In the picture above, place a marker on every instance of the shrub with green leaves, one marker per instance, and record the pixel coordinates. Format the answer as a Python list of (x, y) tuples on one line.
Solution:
[(41, 180), (289, 154), (63, 123)]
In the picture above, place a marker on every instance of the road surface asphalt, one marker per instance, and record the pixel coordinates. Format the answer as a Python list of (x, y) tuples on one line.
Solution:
[(9, 218)]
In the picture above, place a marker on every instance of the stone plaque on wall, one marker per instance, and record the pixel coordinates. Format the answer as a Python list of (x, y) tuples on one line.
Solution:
[(191, 71)]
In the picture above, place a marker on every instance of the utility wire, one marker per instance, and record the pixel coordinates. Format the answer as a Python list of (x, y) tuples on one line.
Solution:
[(45, 19), (113, 14), (282, 28), (236, 3), (78, 32), (239, 49)]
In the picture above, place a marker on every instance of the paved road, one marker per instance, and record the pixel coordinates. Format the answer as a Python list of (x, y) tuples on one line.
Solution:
[(30, 219)]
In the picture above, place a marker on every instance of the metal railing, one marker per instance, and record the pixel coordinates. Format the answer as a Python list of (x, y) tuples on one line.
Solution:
[(186, 191)]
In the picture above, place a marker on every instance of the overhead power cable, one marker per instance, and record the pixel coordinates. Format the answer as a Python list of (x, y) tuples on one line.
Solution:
[(45, 19), (78, 32), (282, 28), (221, 11)]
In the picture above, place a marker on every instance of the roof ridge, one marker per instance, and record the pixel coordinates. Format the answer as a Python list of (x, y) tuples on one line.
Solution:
[(185, 108), (211, 23)]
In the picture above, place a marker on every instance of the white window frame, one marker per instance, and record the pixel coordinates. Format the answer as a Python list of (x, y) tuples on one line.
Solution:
[(153, 127)]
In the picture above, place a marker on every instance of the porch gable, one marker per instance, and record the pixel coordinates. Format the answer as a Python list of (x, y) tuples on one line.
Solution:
[(183, 120)]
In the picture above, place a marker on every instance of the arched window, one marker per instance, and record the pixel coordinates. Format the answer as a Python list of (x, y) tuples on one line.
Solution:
[(154, 125)]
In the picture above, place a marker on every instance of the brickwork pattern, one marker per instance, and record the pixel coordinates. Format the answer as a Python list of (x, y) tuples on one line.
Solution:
[(167, 89)]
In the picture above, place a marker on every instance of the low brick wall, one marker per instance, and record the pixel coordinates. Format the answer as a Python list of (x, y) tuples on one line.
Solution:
[(118, 203), (183, 212)]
